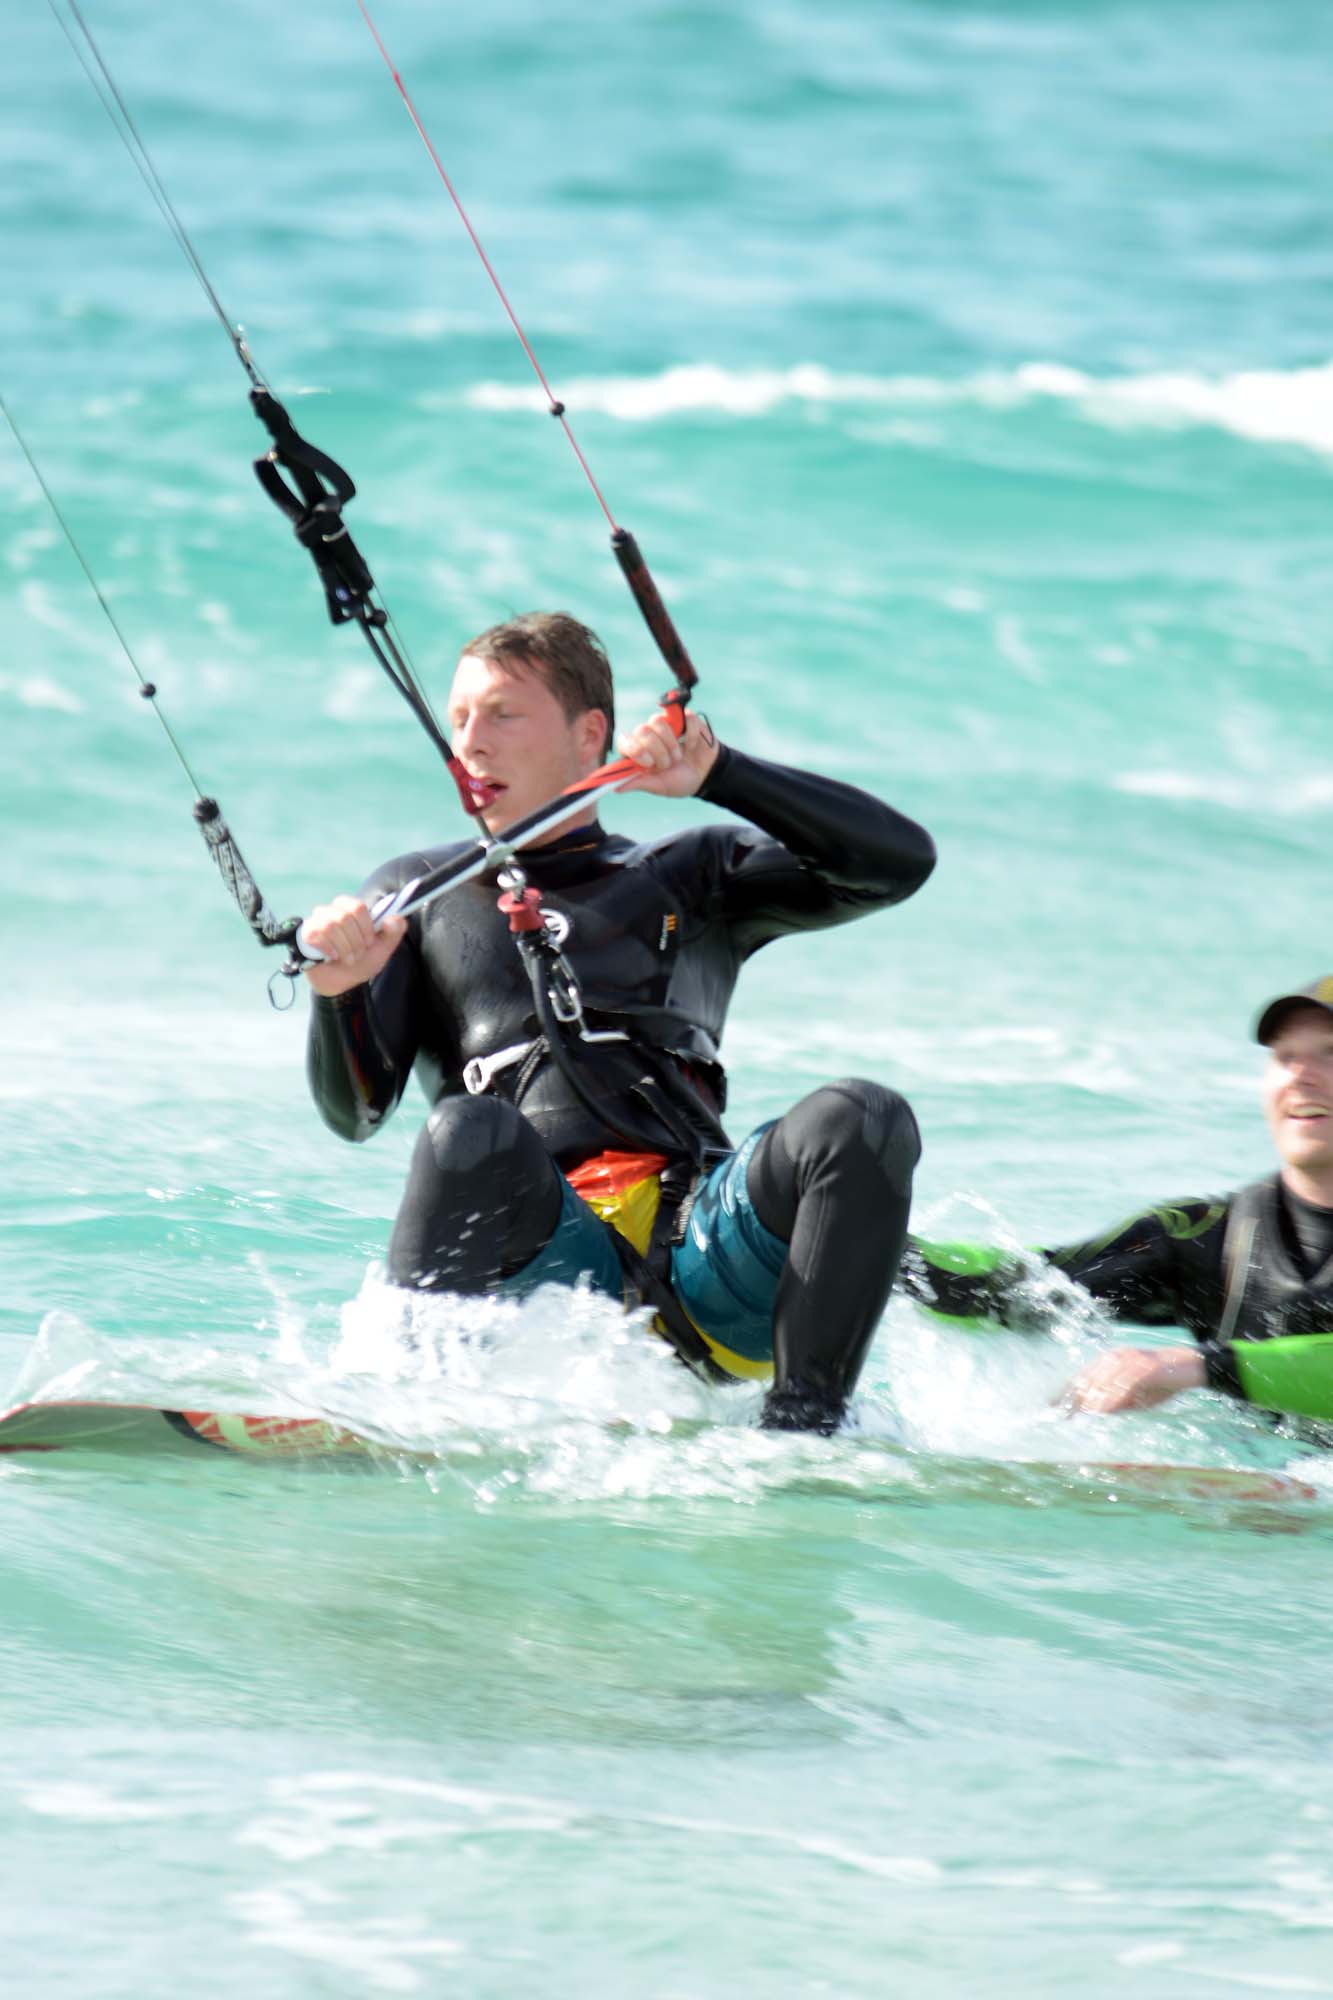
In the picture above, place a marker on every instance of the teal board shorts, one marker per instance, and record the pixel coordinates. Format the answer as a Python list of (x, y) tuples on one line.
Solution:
[(725, 1273)]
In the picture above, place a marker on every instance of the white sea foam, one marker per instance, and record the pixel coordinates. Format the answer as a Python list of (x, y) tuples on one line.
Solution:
[(24, 548), (47, 609), (310, 1817), (1160, 1953), (39, 691), (91, 1804), (1270, 406), (1296, 796), (377, 1957)]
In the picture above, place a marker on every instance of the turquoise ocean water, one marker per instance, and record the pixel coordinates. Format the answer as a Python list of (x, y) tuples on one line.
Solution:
[(965, 373)]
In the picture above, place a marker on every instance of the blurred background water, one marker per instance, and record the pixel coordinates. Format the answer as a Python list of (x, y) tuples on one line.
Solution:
[(965, 373)]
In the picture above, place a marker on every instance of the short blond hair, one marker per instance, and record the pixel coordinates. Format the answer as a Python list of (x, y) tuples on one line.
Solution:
[(569, 657)]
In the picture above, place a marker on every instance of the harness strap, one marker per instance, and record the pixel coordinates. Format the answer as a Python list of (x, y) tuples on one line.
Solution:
[(1237, 1255), (647, 1274), (565, 1050)]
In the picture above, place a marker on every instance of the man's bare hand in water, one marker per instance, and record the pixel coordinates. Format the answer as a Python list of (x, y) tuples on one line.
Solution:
[(1134, 1378)]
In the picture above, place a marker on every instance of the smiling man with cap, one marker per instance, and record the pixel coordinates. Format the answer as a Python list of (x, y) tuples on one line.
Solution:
[(1249, 1275)]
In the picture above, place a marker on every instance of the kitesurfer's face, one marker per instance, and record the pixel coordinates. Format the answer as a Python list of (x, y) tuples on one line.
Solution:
[(506, 727), (1298, 1090)]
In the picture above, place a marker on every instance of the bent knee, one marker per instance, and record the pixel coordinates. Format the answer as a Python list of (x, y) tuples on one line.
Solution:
[(466, 1131), (859, 1114)]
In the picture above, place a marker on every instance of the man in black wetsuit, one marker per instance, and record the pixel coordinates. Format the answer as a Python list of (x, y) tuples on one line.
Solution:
[(776, 1257), (1250, 1274)]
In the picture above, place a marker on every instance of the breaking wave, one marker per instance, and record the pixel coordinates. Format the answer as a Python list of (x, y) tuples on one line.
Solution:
[(1269, 406)]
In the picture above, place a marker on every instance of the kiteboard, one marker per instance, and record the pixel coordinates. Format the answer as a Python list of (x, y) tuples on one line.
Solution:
[(141, 1427), (1152, 1480)]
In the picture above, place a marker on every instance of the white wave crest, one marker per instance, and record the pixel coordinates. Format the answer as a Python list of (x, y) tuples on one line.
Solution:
[(1270, 406), (1295, 797), (38, 691)]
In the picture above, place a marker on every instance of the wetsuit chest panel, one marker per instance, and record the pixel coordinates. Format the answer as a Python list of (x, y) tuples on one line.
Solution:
[(1278, 1298), (643, 923), (1311, 1235), (660, 932), (630, 934)]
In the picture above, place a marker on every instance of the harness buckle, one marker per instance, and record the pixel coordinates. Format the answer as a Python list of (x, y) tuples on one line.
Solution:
[(481, 1071), (566, 999)]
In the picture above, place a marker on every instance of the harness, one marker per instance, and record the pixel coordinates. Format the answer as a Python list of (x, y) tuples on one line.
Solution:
[(1262, 1282), (1241, 1227), (645, 1196), (645, 1199)]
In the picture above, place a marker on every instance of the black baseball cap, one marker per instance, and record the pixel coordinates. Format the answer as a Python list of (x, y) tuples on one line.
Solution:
[(1319, 993)]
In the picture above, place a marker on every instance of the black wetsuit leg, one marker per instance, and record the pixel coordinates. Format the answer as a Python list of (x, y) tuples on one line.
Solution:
[(483, 1197), (833, 1179)]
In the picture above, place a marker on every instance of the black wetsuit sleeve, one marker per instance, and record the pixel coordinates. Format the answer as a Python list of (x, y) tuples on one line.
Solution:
[(362, 1045), (832, 853), (1219, 1365), (1133, 1270)]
